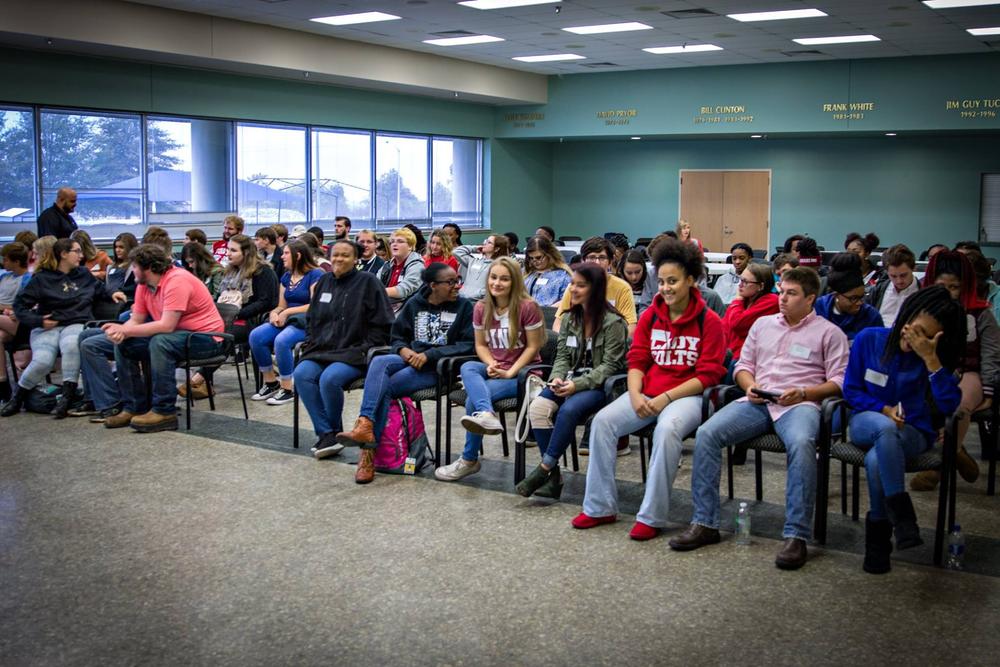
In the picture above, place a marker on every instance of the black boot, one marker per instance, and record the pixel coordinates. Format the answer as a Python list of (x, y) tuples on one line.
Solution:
[(899, 507), (553, 486), (878, 545), (66, 400), (534, 481), (4, 390), (16, 402)]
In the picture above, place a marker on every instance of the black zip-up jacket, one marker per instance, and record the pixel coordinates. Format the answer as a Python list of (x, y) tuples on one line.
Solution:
[(438, 331), (265, 295), (67, 298), (347, 316)]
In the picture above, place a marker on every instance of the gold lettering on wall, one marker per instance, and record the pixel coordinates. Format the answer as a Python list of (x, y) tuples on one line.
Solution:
[(617, 116), (974, 108), (523, 119), (848, 110), (723, 113)]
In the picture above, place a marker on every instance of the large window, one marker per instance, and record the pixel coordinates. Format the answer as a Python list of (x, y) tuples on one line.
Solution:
[(457, 193), (17, 170), (271, 173), (401, 182), (342, 176), (189, 168)]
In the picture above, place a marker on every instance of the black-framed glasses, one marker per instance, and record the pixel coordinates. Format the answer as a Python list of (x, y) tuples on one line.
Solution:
[(744, 282), (852, 299), (452, 282), (596, 258), (537, 259)]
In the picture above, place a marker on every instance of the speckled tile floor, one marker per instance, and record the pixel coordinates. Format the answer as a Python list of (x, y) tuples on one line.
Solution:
[(179, 548)]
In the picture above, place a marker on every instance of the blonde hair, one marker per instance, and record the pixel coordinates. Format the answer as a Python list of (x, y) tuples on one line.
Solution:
[(42, 247), (409, 236), (237, 221), (444, 240), (517, 296), (681, 224), (86, 244)]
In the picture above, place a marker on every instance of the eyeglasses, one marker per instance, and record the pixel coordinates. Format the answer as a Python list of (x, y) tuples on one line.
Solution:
[(452, 282), (852, 299), (397, 240), (537, 259), (596, 258), (744, 282)]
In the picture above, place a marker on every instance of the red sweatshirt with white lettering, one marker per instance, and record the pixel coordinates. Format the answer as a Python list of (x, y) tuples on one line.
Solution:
[(670, 353)]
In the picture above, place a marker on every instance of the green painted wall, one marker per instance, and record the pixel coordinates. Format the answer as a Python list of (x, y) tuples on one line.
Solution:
[(912, 190), (521, 186)]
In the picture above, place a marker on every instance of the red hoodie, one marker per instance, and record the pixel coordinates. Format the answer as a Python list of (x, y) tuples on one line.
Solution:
[(738, 320), (671, 353)]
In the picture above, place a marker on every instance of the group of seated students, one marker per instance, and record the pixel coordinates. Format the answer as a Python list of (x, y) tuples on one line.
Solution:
[(901, 353)]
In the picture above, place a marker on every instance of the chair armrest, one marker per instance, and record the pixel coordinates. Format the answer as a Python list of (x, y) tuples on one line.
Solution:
[(93, 324), (710, 400), (297, 352), (613, 385), (446, 371)]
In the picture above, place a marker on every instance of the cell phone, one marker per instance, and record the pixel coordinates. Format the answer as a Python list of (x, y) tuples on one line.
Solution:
[(766, 395), (899, 411)]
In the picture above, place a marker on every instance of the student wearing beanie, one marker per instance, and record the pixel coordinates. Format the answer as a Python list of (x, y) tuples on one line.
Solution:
[(845, 305)]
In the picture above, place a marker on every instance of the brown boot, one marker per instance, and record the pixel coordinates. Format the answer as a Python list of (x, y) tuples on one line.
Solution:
[(793, 554), (967, 466), (153, 422), (694, 537), (925, 481), (363, 433), (366, 467), (120, 420), (198, 391)]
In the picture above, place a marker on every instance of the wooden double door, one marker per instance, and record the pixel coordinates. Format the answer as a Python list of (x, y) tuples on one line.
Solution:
[(727, 207)]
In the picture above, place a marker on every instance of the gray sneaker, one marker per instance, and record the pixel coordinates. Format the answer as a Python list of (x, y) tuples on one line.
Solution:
[(457, 470), (482, 423)]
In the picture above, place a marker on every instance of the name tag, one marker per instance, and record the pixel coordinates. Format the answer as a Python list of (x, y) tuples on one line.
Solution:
[(542, 281), (571, 341), (326, 297), (873, 376), (448, 318), (659, 335), (799, 351)]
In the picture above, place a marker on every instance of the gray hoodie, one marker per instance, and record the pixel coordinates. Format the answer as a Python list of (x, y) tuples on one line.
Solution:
[(473, 268), (409, 280)]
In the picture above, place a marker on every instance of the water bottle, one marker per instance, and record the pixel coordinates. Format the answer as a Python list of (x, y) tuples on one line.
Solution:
[(743, 525), (956, 548)]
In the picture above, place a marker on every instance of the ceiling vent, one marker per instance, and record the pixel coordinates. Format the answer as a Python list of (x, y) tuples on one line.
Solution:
[(803, 52), (454, 33), (597, 65), (690, 13)]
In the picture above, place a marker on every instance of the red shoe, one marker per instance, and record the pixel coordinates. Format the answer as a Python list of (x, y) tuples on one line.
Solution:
[(641, 532), (583, 521)]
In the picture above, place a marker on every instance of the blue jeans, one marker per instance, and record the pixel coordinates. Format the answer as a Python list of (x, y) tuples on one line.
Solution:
[(481, 393), (573, 411), (283, 341), (46, 345), (99, 384), (740, 421), (390, 377), (321, 389), (885, 462), (163, 352)]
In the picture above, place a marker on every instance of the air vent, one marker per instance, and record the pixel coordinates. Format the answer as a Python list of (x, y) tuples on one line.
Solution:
[(273, 2), (690, 13), (596, 65), (803, 52), (453, 33)]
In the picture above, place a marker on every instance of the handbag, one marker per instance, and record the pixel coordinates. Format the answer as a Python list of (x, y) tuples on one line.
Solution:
[(533, 387)]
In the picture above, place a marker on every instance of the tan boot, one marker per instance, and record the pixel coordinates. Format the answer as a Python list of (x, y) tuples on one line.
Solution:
[(120, 420), (153, 422), (366, 467), (362, 434), (925, 481), (967, 466)]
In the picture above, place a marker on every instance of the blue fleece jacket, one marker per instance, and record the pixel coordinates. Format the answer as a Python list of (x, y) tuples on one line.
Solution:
[(851, 325)]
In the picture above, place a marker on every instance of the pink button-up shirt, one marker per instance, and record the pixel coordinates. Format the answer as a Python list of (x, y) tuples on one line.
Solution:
[(783, 357)]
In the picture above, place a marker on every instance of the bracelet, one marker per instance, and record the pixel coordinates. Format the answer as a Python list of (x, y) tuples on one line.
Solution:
[(803, 390), (669, 399)]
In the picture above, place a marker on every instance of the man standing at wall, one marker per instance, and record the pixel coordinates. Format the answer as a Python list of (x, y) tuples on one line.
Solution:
[(231, 226), (56, 219)]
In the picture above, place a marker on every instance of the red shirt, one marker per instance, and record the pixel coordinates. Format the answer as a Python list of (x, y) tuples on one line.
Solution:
[(179, 290), (220, 251), (738, 319), (451, 261), (395, 272)]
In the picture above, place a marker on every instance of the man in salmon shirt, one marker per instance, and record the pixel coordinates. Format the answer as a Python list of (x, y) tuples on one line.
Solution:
[(170, 303), (799, 358)]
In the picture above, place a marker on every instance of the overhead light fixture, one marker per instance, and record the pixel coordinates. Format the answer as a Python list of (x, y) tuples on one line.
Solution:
[(984, 31), (462, 41), (756, 136), (607, 27), (504, 4), (687, 48), (550, 58), (842, 39), (780, 15), (633, 139), (353, 19), (952, 4), (890, 134)]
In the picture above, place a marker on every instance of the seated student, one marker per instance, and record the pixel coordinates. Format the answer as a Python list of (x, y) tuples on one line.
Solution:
[(979, 366), (282, 233), (286, 324), (863, 246), (266, 241), (26, 237), (891, 376), (677, 352), (592, 345), (336, 346), (41, 247), (810, 257), (401, 274), (598, 250), (341, 229), (439, 250), (199, 261), (633, 270), (13, 278), (781, 263), (435, 323), (932, 250), (453, 231), (755, 299), (318, 256), (546, 232), (195, 236), (845, 304), (728, 284), (986, 289), (513, 239), (159, 236), (889, 294), (799, 358), (791, 246), (120, 276), (509, 332), (710, 296), (421, 246), (231, 226), (320, 236), (94, 260), (620, 246), (369, 261), (55, 304), (547, 274), (683, 232), (474, 264), (382, 248)]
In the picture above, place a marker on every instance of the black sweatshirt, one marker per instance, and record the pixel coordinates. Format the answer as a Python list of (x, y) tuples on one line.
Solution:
[(67, 298), (444, 330), (347, 316), (265, 295)]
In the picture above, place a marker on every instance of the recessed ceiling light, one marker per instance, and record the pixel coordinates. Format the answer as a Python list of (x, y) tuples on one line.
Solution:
[(778, 16), (552, 57), (352, 19), (462, 41), (984, 31), (687, 48), (951, 4), (890, 134), (843, 39), (607, 27), (756, 136), (504, 4), (633, 139)]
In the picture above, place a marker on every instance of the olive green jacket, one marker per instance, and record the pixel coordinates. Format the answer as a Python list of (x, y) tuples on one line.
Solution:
[(609, 348)]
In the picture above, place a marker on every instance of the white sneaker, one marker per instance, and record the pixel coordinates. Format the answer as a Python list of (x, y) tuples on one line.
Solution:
[(281, 397), (327, 447), (265, 392), (457, 470), (482, 423)]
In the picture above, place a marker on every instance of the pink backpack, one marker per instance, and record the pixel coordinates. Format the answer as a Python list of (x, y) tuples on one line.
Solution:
[(403, 448)]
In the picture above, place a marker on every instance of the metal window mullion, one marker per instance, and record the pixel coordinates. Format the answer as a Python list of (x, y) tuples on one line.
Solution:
[(39, 183), (309, 177)]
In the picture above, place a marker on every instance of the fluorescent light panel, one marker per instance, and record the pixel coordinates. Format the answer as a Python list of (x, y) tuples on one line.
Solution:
[(984, 31), (352, 19), (843, 39), (550, 58), (462, 41), (780, 15), (504, 4), (952, 4), (689, 48), (607, 27)]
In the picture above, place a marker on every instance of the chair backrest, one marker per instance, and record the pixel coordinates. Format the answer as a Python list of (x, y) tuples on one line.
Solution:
[(548, 352), (760, 253), (563, 239), (228, 313), (549, 313), (107, 310)]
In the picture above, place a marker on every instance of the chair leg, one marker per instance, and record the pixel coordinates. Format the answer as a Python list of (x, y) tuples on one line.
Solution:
[(940, 529), (519, 462), (576, 454), (642, 455), (447, 442), (211, 394), (822, 499), (437, 424), (855, 493), (295, 416), (758, 471), (188, 398), (843, 488), (503, 435), (243, 396), (729, 469)]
